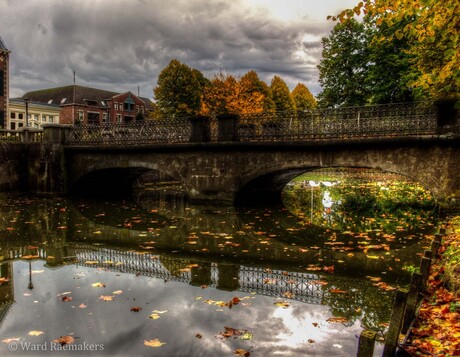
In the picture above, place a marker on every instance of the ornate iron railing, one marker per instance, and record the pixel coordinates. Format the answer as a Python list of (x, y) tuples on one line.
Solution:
[(175, 130), (341, 123), (390, 120), (10, 136)]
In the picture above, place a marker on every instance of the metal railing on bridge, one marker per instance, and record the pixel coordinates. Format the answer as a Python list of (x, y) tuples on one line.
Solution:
[(390, 120)]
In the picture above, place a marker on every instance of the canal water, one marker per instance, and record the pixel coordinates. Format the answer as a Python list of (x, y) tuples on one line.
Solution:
[(159, 276)]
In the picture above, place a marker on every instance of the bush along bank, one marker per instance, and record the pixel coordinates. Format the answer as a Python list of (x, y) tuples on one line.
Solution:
[(436, 329)]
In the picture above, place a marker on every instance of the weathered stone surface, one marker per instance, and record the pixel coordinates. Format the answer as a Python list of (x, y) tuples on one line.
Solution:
[(13, 168), (254, 172)]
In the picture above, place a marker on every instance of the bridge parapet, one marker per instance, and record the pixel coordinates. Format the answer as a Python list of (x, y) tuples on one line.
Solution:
[(377, 121)]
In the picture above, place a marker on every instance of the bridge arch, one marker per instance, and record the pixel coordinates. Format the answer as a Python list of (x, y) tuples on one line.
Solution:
[(112, 177), (267, 188)]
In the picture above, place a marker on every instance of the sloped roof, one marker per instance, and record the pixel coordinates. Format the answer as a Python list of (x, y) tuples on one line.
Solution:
[(75, 94), (2, 45)]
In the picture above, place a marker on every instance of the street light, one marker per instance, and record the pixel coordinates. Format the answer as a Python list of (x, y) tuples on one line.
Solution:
[(26, 101)]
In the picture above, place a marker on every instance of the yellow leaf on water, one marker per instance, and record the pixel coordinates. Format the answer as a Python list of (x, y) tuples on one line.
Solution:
[(35, 333), (154, 316), (98, 285), (154, 343), (117, 292), (373, 256)]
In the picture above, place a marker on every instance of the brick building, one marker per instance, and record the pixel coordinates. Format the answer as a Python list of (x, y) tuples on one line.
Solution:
[(4, 83), (87, 105)]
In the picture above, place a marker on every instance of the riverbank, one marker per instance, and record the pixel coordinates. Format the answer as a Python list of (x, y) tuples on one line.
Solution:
[(436, 331)]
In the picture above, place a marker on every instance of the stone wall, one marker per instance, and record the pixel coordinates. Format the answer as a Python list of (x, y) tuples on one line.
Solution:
[(13, 167)]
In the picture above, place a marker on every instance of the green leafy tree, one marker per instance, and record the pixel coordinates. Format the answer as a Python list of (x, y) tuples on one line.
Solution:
[(303, 98), (390, 72), (281, 95), (431, 29), (343, 67), (179, 90)]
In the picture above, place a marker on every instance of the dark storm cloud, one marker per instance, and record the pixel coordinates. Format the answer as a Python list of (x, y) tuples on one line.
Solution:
[(121, 44)]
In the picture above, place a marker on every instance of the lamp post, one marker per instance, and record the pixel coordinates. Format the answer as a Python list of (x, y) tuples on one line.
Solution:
[(26, 101)]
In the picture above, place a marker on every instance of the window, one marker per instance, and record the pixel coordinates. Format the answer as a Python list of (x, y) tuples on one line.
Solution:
[(20, 125), (13, 126), (50, 101), (105, 117), (13, 116), (137, 109), (20, 116), (115, 105), (63, 100), (119, 118), (81, 115), (36, 117), (51, 119), (142, 109), (120, 106)]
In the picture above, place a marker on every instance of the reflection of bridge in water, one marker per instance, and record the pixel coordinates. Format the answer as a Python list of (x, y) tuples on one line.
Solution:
[(294, 285)]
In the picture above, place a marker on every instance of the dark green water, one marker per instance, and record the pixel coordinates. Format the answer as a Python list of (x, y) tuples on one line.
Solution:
[(309, 279)]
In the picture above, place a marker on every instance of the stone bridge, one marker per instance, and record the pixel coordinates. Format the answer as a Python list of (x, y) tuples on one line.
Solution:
[(257, 172), (249, 159)]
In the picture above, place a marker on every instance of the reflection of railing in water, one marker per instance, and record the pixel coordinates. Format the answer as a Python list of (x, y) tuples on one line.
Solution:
[(294, 285), (21, 252)]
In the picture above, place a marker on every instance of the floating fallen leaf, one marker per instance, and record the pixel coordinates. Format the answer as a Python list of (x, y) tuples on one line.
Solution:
[(154, 343), (98, 285), (154, 316), (66, 298), (82, 306), (229, 332), (136, 308), (198, 335), (106, 297), (311, 341), (247, 336), (319, 282), (283, 304), (338, 291), (12, 339), (37, 271), (35, 333), (241, 352), (65, 340), (117, 292)]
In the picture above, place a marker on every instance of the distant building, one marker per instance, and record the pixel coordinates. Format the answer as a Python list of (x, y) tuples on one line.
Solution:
[(39, 113), (4, 83), (87, 105)]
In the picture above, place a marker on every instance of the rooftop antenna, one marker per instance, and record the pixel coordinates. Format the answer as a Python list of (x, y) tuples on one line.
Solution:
[(74, 77), (138, 91)]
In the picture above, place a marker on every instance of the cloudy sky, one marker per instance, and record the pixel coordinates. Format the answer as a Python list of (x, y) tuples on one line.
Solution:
[(122, 44)]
